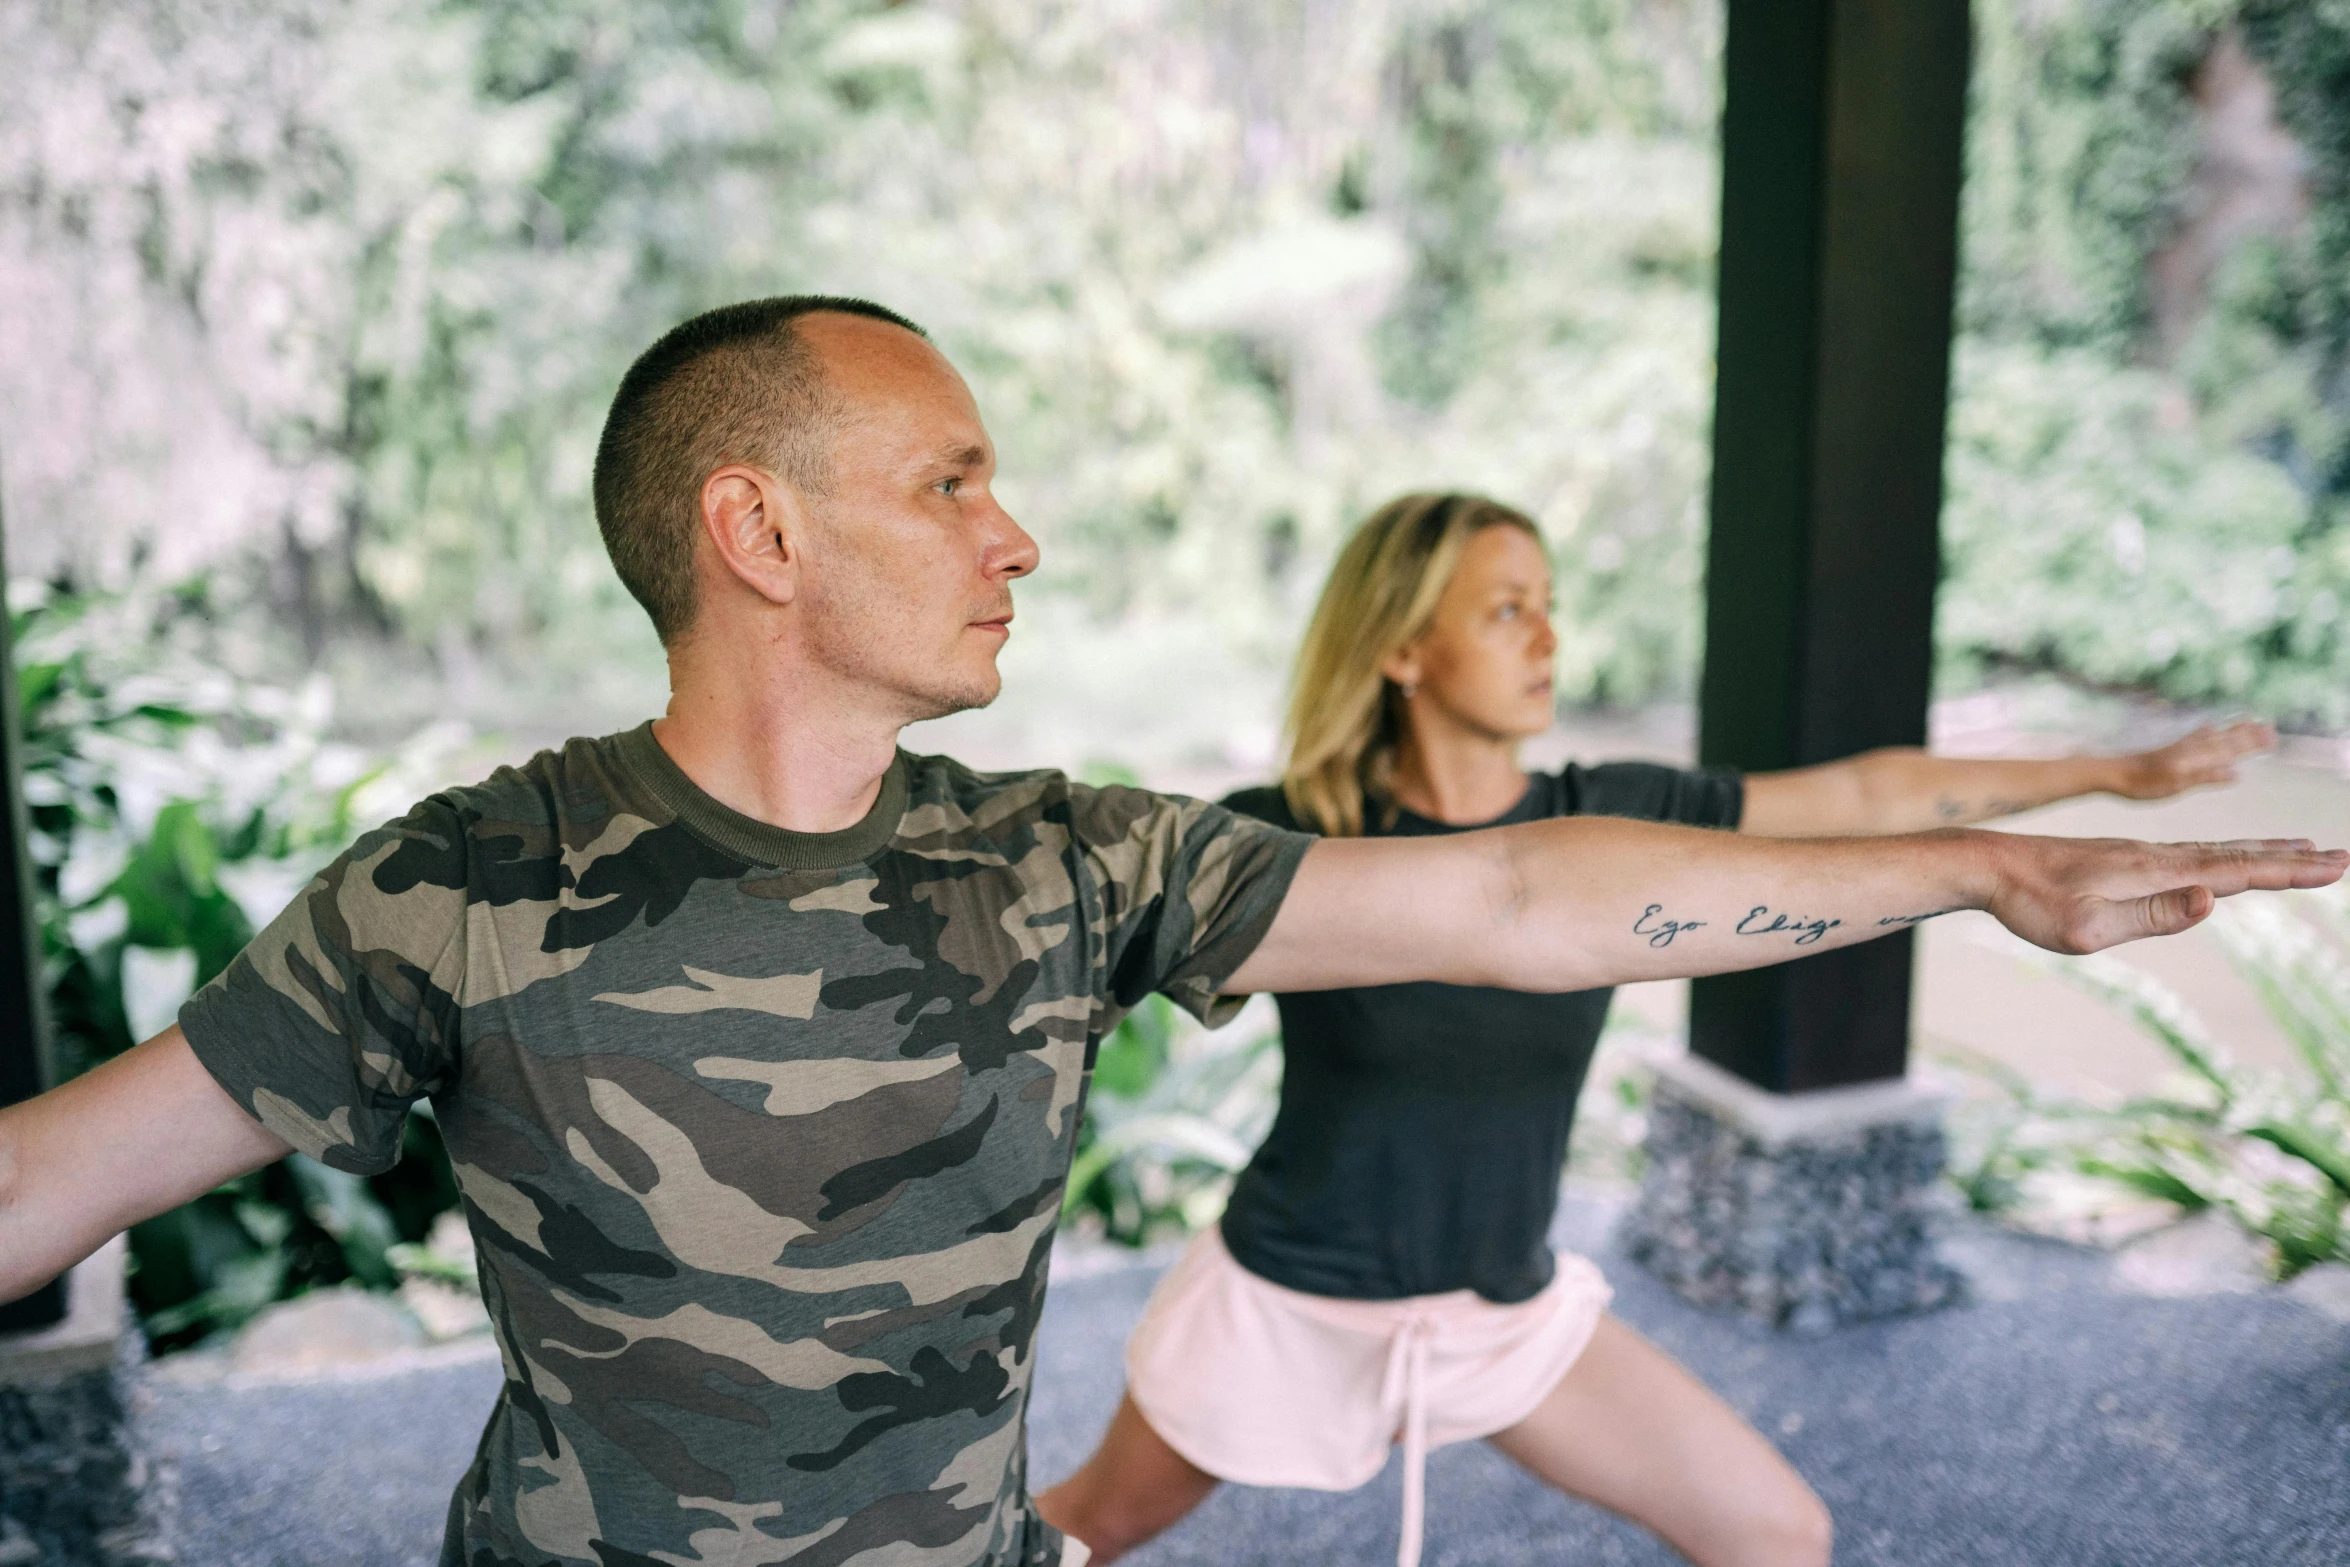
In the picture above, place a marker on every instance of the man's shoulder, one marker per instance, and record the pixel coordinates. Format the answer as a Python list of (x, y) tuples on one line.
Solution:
[(581, 778), (946, 797), (950, 802), (562, 801)]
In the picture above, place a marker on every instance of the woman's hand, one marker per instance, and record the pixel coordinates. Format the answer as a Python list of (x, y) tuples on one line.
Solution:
[(2206, 757), (1906, 790)]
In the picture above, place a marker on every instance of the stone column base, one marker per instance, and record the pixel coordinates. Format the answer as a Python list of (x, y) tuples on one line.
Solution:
[(1807, 1211), (69, 1476)]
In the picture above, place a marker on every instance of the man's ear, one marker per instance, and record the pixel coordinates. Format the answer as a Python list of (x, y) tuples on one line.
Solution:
[(757, 529)]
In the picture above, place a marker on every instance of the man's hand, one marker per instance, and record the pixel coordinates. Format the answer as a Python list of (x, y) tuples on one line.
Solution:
[(2078, 895), (147, 1131), (1587, 901), (2206, 757)]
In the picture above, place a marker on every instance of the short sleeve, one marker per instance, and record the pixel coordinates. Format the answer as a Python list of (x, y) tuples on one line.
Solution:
[(343, 1012), (1187, 890), (1692, 796), (1266, 803)]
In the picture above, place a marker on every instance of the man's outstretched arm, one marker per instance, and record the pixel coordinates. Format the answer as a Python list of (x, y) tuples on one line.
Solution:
[(146, 1131), (1584, 902)]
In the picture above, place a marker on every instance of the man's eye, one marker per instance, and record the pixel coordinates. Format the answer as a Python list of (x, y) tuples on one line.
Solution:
[(947, 486), (1507, 612)]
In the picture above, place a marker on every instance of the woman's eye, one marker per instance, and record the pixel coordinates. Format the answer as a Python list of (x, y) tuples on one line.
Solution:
[(1506, 612)]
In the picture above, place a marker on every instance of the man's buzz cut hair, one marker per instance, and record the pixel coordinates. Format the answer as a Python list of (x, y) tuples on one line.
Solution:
[(735, 384)]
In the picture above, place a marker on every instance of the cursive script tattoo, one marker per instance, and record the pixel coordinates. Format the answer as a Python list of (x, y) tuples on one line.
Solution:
[(1660, 933), (1806, 931), (1915, 919)]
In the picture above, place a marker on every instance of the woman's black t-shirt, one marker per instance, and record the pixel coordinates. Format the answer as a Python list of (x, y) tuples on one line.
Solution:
[(1423, 1127)]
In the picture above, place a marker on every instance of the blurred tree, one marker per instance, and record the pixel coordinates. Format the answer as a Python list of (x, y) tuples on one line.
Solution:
[(327, 299), (2148, 477)]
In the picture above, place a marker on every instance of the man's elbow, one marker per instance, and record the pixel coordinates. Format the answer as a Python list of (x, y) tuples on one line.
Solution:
[(16, 1277), (12, 1177)]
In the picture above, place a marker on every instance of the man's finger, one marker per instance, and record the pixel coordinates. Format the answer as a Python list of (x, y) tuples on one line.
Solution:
[(2229, 868), (2132, 919), (2244, 865)]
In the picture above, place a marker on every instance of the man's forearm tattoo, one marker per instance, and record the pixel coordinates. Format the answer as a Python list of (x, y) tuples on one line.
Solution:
[(1760, 921), (1660, 932)]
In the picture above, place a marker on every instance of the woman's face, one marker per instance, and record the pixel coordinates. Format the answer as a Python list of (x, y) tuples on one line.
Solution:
[(1484, 663)]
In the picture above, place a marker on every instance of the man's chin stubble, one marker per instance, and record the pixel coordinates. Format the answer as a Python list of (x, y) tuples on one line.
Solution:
[(946, 700)]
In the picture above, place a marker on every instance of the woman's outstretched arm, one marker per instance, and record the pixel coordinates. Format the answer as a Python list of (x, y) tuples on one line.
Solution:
[(1907, 790), (1587, 901)]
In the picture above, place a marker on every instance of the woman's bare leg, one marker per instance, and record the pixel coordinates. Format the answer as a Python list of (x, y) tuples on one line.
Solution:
[(1629, 1429), (1133, 1487)]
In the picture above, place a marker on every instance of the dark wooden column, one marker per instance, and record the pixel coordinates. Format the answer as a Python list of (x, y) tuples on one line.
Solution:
[(23, 1036), (1841, 143)]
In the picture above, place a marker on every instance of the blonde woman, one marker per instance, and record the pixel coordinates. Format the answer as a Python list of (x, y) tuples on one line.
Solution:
[(1382, 1272)]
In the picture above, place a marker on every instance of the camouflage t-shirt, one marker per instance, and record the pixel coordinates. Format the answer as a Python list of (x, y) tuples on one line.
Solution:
[(761, 1134)]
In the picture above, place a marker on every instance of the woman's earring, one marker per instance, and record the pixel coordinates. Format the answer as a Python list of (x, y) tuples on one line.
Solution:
[(1408, 688)]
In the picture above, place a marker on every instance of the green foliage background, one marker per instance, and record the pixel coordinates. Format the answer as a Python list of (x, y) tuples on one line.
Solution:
[(1224, 274), (2122, 511), (169, 810), (2269, 1150)]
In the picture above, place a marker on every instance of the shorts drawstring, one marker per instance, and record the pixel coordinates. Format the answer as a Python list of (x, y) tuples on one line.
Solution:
[(1405, 1389), (1259, 1384)]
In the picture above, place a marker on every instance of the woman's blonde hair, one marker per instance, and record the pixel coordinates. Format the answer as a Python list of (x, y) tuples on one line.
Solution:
[(1345, 717)]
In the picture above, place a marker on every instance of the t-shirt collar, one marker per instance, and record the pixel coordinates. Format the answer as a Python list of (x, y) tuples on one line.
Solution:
[(761, 842), (1529, 806)]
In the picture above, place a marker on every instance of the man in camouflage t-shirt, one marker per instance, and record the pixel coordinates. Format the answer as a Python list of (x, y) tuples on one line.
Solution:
[(761, 1133), (760, 1045)]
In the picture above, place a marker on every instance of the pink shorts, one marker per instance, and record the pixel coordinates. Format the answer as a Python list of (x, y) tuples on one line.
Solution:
[(1263, 1385)]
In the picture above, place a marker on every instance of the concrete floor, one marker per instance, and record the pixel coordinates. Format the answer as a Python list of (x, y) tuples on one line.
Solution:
[(2057, 1420)]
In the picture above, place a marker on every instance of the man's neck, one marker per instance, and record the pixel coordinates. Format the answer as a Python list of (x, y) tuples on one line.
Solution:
[(1460, 779), (782, 746)]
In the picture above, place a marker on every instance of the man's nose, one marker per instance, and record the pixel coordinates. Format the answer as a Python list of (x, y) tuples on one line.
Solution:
[(1010, 551)]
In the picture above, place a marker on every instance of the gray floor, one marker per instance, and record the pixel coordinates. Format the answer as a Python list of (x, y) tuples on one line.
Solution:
[(2055, 1420)]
